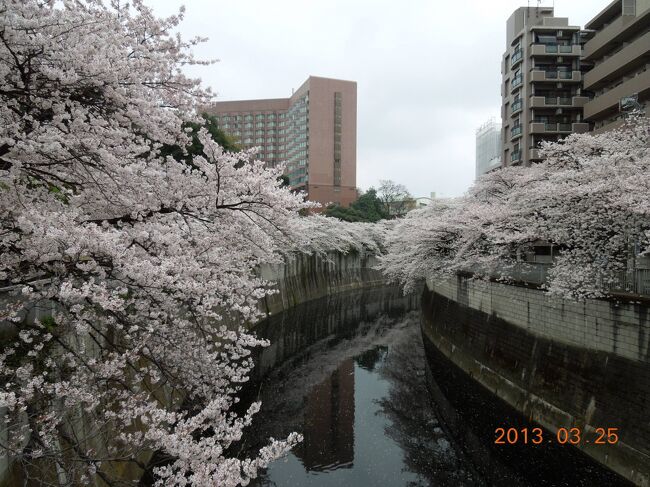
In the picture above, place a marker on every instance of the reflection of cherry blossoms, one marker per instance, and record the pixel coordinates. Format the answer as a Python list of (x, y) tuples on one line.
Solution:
[(392, 349), (145, 258), (284, 391), (414, 424), (588, 199)]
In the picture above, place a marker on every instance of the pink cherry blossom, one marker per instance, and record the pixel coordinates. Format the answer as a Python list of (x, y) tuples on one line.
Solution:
[(588, 199), (150, 263)]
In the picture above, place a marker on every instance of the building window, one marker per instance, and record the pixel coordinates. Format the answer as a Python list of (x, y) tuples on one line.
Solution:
[(337, 137), (629, 8), (546, 39)]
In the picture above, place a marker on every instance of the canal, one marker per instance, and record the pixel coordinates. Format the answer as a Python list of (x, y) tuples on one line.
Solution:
[(378, 407)]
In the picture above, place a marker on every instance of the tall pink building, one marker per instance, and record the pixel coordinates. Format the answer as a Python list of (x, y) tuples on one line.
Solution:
[(314, 132)]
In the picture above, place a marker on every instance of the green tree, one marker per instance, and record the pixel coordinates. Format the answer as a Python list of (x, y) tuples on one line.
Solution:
[(367, 208), (195, 148), (285, 181)]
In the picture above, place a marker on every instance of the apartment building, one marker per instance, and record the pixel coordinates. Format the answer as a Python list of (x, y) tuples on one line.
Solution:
[(488, 147), (541, 89), (314, 132), (619, 51)]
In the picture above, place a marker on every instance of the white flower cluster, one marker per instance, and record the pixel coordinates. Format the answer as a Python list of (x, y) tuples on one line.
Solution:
[(589, 199), (145, 257)]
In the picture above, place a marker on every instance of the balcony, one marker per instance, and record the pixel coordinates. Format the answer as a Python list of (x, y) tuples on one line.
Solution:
[(542, 127), (517, 56), (533, 155), (625, 60), (619, 29), (541, 75), (516, 106), (517, 81), (558, 102), (580, 101), (558, 128), (516, 156), (549, 101), (555, 49), (580, 127), (515, 131), (608, 101)]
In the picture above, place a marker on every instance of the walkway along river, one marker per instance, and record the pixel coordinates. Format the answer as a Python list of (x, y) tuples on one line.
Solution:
[(379, 408)]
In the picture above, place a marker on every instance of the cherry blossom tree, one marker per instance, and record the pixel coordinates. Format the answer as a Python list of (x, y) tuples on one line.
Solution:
[(148, 261), (322, 235), (588, 199)]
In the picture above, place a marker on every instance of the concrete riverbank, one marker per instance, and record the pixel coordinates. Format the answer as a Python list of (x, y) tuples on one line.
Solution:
[(562, 364)]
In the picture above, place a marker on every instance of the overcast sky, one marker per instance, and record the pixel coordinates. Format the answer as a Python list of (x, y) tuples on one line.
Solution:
[(428, 71)]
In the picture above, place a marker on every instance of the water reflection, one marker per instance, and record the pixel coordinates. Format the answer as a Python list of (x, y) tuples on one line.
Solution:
[(359, 397), (377, 407), (328, 427), (414, 424)]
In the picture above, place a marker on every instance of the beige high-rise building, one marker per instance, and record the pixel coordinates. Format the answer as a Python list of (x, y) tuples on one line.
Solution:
[(541, 87), (559, 79), (314, 131), (619, 49)]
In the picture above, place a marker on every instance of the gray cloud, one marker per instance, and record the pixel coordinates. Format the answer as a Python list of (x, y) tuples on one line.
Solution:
[(428, 72)]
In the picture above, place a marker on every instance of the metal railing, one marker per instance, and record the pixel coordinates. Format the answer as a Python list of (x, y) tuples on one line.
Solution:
[(555, 100), (556, 126), (554, 74), (516, 130), (516, 106), (554, 48)]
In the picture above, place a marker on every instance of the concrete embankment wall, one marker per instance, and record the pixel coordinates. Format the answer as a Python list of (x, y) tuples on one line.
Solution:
[(301, 279), (305, 277), (560, 363)]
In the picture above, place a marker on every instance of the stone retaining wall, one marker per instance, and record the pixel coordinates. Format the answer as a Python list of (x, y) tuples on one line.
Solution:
[(305, 277), (560, 363)]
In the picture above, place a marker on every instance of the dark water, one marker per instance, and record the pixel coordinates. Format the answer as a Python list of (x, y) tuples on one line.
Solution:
[(351, 374), (359, 397)]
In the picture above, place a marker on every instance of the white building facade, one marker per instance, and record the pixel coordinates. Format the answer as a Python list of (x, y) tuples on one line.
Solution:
[(488, 147)]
